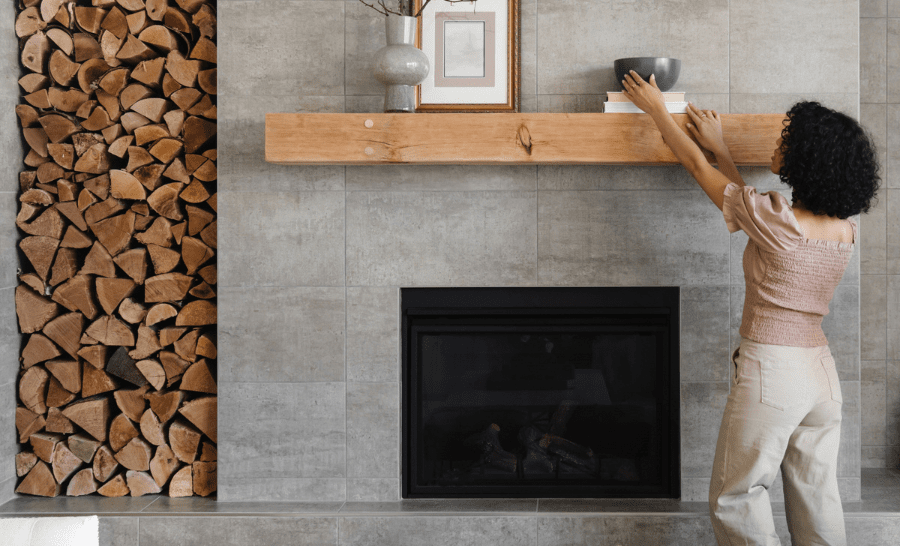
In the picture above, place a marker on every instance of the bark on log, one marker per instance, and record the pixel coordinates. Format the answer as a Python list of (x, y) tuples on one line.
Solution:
[(123, 366)]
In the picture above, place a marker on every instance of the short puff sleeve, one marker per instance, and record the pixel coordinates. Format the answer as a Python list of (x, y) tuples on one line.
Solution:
[(765, 217)]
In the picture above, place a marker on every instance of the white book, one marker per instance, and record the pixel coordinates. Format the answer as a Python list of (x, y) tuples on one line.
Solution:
[(669, 96), (630, 108)]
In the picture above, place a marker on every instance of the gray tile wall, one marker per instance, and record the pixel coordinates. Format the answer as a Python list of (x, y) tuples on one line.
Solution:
[(879, 72), (10, 159), (311, 258)]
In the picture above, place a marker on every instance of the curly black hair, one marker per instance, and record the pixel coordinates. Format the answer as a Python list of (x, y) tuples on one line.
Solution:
[(829, 161)]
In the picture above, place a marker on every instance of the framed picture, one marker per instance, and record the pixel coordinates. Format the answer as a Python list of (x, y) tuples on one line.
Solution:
[(473, 49)]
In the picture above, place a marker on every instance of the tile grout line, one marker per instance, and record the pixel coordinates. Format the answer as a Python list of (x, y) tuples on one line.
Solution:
[(148, 505), (346, 333), (729, 87), (346, 439), (537, 195), (887, 216)]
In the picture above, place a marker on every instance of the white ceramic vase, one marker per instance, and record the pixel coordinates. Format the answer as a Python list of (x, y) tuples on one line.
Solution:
[(400, 65)]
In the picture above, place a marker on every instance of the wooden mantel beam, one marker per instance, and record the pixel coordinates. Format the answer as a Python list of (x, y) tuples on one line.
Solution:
[(499, 139)]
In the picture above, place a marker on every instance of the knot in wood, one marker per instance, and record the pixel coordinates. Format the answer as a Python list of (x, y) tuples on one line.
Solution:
[(525, 138)]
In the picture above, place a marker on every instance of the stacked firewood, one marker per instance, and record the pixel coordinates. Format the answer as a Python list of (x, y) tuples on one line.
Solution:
[(116, 301)]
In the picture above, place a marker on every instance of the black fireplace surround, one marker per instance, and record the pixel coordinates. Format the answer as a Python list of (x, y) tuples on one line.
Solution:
[(540, 392)]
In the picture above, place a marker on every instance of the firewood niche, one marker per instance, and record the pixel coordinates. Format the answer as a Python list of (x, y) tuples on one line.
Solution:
[(116, 300)]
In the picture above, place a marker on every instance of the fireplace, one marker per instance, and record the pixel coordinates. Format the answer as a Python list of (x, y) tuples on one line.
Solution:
[(540, 392)]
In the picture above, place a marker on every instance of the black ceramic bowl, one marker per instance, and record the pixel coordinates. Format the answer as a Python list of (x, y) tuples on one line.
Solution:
[(665, 68)]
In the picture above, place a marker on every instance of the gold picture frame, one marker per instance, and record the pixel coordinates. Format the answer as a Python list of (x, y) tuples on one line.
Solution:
[(472, 68)]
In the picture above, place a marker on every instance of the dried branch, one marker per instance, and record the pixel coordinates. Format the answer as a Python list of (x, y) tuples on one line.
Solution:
[(404, 7), (418, 13), (380, 7)]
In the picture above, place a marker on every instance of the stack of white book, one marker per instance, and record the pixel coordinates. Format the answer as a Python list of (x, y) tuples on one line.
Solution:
[(618, 103)]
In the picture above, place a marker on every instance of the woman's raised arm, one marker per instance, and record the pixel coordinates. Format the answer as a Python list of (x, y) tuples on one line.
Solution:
[(649, 98)]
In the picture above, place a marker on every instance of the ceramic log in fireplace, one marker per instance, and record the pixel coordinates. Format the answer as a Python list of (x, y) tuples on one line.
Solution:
[(540, 392)]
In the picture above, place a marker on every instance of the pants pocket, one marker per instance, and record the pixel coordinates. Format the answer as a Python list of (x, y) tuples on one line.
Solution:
[(779, 382), (834, 383)]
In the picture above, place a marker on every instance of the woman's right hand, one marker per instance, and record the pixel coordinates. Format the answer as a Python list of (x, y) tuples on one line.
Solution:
[(706, 126)]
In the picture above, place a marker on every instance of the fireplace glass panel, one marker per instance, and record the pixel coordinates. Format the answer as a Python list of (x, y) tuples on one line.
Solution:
[(541, 402)]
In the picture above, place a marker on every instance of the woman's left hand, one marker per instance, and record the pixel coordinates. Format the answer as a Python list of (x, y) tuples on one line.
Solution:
[(645, 96)]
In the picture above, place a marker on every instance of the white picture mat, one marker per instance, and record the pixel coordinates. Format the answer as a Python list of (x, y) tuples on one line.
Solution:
[(468, 95), (466, 37)]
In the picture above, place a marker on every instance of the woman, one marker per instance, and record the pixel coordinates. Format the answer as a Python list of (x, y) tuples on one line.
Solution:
[(784, 409)]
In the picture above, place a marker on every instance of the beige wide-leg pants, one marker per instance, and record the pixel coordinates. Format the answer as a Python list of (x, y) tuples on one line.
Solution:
[(784, 411)]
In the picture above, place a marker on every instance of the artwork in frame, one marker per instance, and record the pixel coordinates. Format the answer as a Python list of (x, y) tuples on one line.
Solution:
[(473, 49)]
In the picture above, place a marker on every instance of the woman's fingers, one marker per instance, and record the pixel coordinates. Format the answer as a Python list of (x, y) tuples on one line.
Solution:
[(694, 116), (696, 113)]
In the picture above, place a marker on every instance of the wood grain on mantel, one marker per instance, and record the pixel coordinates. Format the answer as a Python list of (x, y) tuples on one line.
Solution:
[(499, 139)]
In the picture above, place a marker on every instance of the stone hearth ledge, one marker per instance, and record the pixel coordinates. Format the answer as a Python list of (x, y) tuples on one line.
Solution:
[(880, 497)]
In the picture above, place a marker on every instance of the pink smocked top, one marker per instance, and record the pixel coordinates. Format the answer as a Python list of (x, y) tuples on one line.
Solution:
[(789, 279)]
